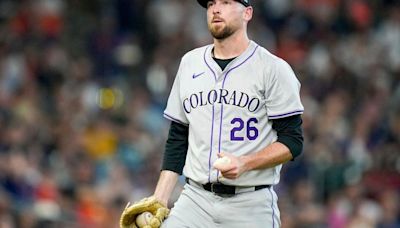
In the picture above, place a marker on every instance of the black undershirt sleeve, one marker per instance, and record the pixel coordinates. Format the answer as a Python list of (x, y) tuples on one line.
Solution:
[(176, 148), (290, 133)]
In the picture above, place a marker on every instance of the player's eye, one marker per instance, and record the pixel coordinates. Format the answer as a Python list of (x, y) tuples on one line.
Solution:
[(226, 2), (209, 4)]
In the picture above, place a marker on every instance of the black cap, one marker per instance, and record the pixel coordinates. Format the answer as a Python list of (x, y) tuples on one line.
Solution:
[(203, 3)]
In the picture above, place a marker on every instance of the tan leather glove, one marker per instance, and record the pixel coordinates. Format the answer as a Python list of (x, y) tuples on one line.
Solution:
[(150, 204)]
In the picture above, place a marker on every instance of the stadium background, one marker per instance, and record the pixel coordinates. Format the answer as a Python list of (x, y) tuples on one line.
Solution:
[(83, 85)]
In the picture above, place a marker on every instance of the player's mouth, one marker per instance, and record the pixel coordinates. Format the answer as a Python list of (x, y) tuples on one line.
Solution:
[(217, 20)]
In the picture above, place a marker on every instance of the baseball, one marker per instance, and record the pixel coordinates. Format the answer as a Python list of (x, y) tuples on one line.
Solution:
[(221, 162), (144, 219)]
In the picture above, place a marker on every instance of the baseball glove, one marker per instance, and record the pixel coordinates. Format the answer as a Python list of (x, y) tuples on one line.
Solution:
[(132, 211)]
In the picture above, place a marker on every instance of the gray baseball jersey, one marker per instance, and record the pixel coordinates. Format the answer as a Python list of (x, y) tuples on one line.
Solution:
[(231, 110)]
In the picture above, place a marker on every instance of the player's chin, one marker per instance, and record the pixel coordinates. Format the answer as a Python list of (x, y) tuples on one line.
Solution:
[(216, 27), (218, 36), (221, 32)]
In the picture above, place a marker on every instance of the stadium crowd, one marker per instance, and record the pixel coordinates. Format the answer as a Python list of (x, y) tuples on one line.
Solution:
[(83, 85)]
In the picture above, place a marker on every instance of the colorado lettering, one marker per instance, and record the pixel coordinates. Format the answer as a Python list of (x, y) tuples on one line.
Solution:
[(235, 98)]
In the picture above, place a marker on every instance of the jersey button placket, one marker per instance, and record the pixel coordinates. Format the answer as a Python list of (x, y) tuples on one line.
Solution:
[(217, 122)]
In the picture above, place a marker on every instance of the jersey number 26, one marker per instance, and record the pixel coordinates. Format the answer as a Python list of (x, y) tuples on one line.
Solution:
[(251, 131)]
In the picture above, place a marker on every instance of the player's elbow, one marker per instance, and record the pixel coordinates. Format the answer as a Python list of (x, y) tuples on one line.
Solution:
[(294, 140)]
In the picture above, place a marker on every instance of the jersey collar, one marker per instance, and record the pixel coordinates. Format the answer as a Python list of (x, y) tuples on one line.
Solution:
[(237, 61)]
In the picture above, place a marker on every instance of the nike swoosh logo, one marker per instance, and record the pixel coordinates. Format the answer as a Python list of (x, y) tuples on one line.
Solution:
[(197, 75)]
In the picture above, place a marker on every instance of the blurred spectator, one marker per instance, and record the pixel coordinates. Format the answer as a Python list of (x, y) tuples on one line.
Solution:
[(83, 85)]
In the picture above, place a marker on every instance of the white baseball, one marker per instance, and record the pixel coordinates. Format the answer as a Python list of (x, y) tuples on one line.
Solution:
[(220, 163), (144, 219)]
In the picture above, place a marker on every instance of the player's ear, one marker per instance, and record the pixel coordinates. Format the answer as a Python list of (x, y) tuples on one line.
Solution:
[(248, 13)]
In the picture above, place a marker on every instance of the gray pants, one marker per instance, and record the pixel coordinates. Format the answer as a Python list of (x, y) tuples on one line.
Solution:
[(198, 208)]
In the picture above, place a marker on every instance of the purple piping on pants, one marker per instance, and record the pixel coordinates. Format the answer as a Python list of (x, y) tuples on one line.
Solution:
[(222, 106), (272, 207), (212, 121)]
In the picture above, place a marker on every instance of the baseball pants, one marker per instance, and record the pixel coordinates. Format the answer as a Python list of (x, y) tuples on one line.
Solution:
[(198, 208)]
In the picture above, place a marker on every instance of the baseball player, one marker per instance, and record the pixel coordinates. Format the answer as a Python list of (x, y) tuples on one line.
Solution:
[(236, 118)]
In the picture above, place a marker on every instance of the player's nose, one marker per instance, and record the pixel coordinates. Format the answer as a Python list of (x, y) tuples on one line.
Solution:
[(216, 9)]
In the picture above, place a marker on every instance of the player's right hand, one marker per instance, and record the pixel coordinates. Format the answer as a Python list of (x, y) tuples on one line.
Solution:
[(233, 169)]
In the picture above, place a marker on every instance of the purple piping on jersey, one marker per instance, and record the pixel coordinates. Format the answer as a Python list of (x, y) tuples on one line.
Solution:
[(287, 114), (212, 120), (272, 207), (174, 119), (222, 106)]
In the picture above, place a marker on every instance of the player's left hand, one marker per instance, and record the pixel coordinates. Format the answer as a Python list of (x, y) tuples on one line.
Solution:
[(156, 211), (234, 168)]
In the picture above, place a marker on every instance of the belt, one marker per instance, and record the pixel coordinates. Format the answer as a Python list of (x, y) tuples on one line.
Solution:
[(219, 188)]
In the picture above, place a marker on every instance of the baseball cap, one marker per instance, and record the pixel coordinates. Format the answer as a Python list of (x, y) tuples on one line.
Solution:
[(203, 3)]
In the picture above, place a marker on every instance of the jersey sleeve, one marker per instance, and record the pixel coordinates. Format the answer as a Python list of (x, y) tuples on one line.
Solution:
[(283, 92), (174, 110)]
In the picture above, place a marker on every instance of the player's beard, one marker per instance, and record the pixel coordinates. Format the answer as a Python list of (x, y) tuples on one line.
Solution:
[(221, 33)]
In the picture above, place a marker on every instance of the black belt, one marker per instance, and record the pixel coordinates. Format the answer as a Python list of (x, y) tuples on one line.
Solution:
[(219, 188)]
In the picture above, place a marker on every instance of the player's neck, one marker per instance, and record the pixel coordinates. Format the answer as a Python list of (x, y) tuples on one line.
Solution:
[(231, 47)]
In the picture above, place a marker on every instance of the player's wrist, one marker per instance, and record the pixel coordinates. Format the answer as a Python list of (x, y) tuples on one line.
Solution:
[(245, 160), (162, 199)]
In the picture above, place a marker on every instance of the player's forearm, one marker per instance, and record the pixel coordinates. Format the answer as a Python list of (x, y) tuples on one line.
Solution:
[(273, 155), (165, 186)]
